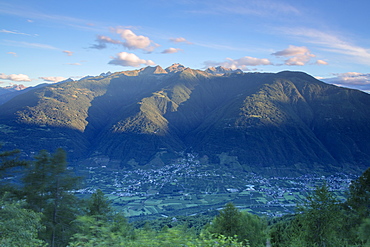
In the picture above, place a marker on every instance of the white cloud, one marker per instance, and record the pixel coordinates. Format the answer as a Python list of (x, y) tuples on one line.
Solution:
[(103, 41), (30, 45), (53, 78), (259, 8), (129, 59), (300, 55), (292, 51), (356, 80), (75, 64), (14, 77), (321, 62), (129, 40), (133, 41), (27, 13), (69, 53), (13, 32), (13, 53), (171, 50), (240, 63), (180, 40), (331, 43)]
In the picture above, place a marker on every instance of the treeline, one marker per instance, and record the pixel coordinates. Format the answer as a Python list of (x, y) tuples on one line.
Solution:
[(42, 210)]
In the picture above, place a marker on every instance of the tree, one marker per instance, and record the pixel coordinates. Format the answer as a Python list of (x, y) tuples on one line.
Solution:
[(246, 227), (19, 226), (364, 232), (359, 195), (100, 227), (357, 206), (94, 231), (48, 188), (8, 161), (319, 220), (98, 205), (227, 222), (281, 231)]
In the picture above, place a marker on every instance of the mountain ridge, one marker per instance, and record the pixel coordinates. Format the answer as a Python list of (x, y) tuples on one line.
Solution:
[(261, 122)]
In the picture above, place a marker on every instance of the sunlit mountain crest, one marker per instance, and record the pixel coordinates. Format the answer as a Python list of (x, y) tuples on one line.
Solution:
[(222, 70)]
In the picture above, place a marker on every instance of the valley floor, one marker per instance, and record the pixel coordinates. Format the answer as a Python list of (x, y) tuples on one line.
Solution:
[(189, 188)]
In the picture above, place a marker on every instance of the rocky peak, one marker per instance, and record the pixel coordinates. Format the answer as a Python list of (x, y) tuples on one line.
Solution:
[(176, 67), (106, 74), (152, 70), (219, 70), (14, 87)]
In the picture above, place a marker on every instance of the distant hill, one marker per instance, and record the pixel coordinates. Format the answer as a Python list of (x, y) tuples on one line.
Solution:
[(281, 123)]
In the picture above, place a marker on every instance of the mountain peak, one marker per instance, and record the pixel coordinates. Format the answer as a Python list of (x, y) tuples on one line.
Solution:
[(15, 87), (221, 70), (152, 70), (176, 67)]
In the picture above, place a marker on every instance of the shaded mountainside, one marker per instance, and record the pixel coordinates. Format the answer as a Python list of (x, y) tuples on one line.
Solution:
[(262, 122)]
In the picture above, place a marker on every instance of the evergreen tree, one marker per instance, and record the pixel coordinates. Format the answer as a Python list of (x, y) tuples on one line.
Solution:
[(98, 205), (364, 232), (281, 231), (244, 226), (359, 197), (227, 222), (48, 188), (357, 206), (319, 221), (9, 160)]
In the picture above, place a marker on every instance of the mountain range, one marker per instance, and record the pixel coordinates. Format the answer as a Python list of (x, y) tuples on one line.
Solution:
[(271, 123)]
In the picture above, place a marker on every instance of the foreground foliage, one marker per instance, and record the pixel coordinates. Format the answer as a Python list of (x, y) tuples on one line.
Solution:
[(45, 212)]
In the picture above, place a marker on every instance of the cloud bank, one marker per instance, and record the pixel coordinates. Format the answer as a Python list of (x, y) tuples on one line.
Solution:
[(331, 43), (356, 80), (171, 50), (14, 77), (129, 40), (13, 32), (69, 53), (102, 42), (180, 40), (299, 55), (129, 59), (321, 62), (241, 63), (13, 53), (53, 78)]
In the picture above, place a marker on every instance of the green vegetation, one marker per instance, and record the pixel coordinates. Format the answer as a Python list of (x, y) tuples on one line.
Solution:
[(187, 187), (47, 186), (46, 212), (245, 227)]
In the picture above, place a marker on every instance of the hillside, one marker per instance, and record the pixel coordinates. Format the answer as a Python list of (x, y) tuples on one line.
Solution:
[(262, 122)]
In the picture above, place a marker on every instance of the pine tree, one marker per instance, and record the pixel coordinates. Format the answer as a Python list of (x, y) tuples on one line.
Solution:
[(359, 197), (48, 188), (357, 207), (245, 227), (9, 160), (98, 205), (319, 220)]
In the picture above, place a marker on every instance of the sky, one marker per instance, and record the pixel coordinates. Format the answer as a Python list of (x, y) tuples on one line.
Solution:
[(49, 41)]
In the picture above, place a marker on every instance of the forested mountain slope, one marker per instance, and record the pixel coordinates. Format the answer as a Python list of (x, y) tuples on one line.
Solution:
[(265, 122)]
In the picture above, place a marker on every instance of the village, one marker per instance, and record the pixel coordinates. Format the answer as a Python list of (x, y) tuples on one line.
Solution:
[(188, 187)]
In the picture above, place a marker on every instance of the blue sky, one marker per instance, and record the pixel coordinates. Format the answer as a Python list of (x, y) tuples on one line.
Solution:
[(46, 41)]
